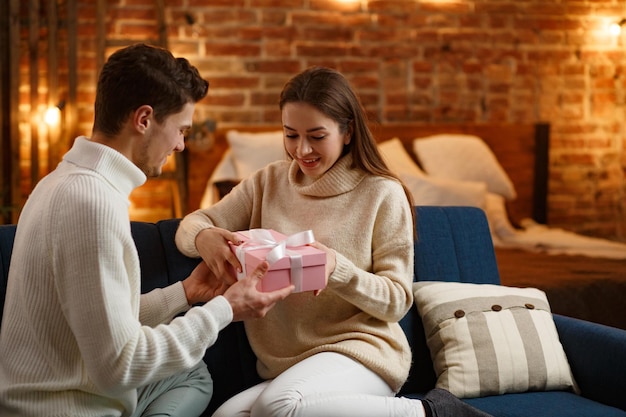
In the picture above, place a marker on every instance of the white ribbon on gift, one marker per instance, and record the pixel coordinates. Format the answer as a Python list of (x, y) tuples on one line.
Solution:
[(262, 239)]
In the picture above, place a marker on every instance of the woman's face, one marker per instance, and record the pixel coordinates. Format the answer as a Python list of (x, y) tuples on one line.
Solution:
[(312, 139)]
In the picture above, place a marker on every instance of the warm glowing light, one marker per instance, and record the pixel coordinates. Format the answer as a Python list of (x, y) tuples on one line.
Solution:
[(52, 116), (615, 29)]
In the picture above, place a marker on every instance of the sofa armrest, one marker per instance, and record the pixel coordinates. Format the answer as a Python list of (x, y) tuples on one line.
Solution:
[(597, 357)]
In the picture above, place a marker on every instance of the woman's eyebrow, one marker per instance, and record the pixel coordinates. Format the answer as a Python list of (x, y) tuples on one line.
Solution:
[(313, 129)]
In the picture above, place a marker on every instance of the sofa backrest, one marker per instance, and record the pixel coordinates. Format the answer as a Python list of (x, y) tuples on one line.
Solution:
[(161, 262), (7, 236), (452, 244)]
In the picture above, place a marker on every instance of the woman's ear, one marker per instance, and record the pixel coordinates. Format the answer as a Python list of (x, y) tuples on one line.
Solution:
[(348, 135)]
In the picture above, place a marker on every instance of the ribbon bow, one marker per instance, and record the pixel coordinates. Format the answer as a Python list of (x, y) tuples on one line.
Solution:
[(263, 238)]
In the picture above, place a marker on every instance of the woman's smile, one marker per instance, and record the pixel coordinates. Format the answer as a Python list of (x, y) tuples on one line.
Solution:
[(308, 162)]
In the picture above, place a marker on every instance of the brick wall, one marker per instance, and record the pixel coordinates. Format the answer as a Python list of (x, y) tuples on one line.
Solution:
[(418, 60)]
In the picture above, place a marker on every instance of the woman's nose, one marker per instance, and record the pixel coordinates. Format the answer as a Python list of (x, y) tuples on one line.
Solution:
[(304, 147)]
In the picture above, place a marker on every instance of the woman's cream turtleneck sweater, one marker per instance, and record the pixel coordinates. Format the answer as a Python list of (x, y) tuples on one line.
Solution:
[(367, 220)]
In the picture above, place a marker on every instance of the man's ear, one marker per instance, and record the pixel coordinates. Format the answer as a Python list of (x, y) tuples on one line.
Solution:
[(142, 117)]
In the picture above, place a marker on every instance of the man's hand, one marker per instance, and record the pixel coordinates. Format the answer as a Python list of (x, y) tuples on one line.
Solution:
[(202, 285), (247, 302), (212, 245)]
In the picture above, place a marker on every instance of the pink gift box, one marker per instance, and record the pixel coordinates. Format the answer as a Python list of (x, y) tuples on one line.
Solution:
[(302, 265)]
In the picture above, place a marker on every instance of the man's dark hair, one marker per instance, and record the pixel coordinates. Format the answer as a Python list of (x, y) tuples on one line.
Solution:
[(144, 75)]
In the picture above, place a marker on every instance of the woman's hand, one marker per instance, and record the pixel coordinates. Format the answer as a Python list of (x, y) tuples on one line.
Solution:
[(331, 261), (212, 245)]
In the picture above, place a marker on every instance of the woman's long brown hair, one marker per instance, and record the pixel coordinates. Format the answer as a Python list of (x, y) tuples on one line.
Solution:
[(328, 91)]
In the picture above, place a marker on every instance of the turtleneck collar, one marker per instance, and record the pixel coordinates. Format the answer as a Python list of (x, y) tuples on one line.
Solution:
[(340, 178), (112, 165)]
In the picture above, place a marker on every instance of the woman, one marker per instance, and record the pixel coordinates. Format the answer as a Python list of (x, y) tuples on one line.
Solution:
[(341, 351)]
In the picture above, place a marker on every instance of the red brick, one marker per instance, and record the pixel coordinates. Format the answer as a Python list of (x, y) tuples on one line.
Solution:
[(317, 49), (461, 7), (410, 61), (212, 3), (232, 49), (229, 100), (354, 66), (234, 82), (264, 99), (281, 66), (392, 6), (289, 4), (336, 6)]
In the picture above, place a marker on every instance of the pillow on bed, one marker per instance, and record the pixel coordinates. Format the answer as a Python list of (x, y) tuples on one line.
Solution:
[(252, 151), (427, 191), (490, 339), (463, 157), (398, 159), (498, 218)]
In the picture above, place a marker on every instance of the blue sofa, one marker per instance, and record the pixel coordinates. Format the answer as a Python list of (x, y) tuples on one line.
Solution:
[(453, 244)]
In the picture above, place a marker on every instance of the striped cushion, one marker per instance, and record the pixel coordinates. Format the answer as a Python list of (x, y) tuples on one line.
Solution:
[(490, 339)]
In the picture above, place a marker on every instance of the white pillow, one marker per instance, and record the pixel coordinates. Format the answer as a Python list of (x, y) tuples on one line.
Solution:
[(498, 218), (398, 159), (463, 157), (427, 191), (252, 151), (490, 339)]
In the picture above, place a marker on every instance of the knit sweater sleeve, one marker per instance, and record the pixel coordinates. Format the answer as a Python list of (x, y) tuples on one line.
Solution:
[(383, 289), (162, 304), (240, 209)]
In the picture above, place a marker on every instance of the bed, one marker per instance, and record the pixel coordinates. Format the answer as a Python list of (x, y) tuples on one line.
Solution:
[(502, 168)]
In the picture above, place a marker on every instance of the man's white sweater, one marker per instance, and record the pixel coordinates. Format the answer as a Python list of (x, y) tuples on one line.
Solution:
[(77, 337)]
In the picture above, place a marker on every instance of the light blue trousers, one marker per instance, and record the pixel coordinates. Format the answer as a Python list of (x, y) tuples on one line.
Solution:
[(186, 394)]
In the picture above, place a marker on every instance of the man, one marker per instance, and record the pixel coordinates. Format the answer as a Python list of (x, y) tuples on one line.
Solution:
[(77, 337)]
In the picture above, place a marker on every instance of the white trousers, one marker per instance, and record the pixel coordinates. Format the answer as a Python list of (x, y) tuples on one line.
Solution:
[(327, 384)]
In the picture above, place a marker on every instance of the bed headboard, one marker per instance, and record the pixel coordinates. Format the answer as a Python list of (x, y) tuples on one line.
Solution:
[(521, 149)]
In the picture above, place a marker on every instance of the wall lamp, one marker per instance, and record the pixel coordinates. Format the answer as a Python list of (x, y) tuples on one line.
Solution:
[(616, 28), (52, 117)]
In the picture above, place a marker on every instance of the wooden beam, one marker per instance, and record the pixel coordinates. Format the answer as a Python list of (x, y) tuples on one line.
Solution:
[(33, 64), (53, 81), (5, 161), (101, 15), (162, 27), (71, 118), (542, 172), (14, 103)]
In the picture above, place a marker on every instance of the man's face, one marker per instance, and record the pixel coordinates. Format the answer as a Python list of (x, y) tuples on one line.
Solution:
[(162, 139)]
